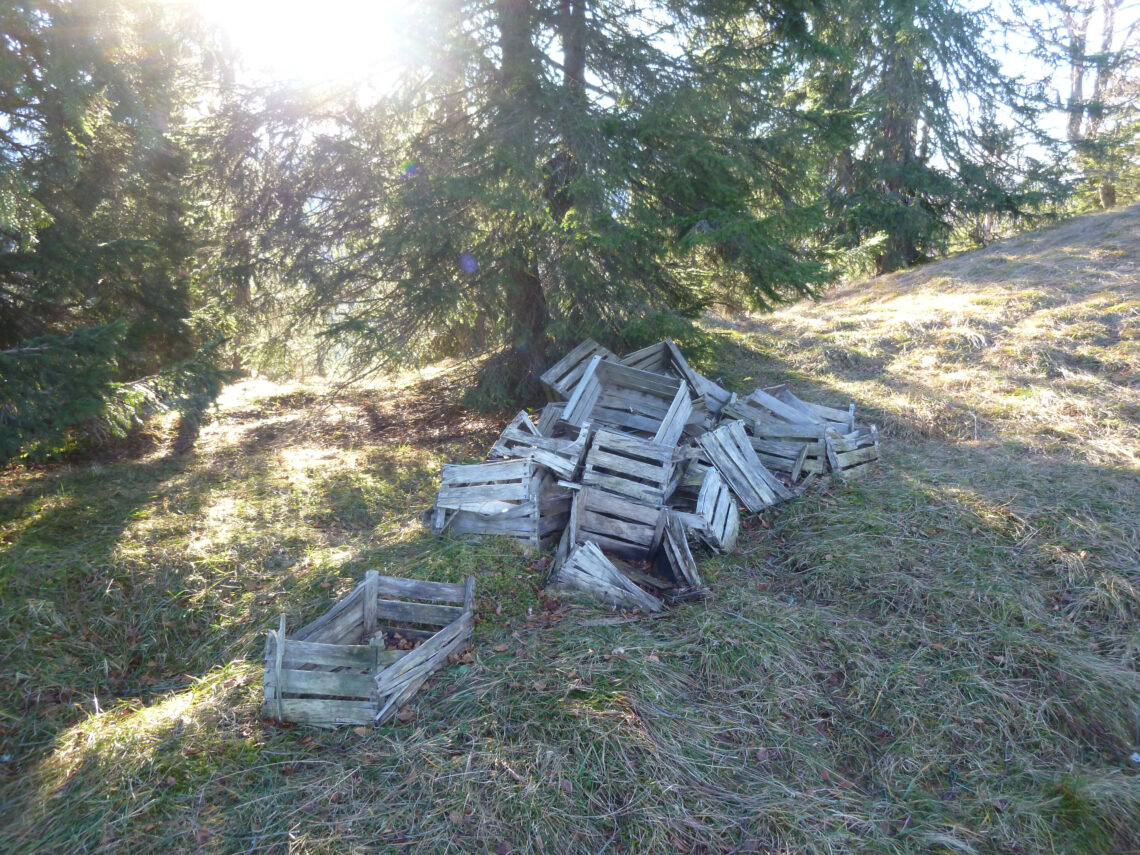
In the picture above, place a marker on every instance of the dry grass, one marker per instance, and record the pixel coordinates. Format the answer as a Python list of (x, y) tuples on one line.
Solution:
[(938, 658)]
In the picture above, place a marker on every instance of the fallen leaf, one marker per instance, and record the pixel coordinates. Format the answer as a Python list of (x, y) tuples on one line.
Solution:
[(502, 849), (653, 657), (456, 817), (565, 786), (539, 685), (762, 755), (500, 648), (406, 714), (360, 731)]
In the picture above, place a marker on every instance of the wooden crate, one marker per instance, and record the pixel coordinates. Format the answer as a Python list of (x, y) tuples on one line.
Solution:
[(336, 670), (794, 449), (511, 498), (563, 376), (587, 569), (620, 526), (521, 439), (666, 358), (628, 466), (652, 406), (729, 450), (674, 560)]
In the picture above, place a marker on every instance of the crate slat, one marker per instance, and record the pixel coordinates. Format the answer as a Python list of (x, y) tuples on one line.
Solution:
[(587, 569)]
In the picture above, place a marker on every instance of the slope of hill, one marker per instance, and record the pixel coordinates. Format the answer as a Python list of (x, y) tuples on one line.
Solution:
[(940, 657)]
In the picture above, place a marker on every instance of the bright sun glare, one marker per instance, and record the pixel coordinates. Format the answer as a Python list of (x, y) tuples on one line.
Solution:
[(312, 42)]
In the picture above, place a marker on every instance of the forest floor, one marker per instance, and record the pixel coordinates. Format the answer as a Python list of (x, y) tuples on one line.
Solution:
[(939, 657)]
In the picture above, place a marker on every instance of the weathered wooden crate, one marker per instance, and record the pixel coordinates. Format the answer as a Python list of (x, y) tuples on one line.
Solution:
[(620, 526), (588, 570), (652, 406), (512, 498), (336, 670), (853, 453), (666, 358), (730, 451), (674, 560), (714, 517), (521, 439), (564, 375), (631, 467), (794, 449)]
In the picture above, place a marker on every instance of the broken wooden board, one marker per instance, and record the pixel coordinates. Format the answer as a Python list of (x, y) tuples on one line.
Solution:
[(837, 419), (628, 466), (666, 358), (674, 559), (564, 375), (521, 439), (621, 526), (719, 515), (325, 674), (729, 450), (587, 569), (652, 406)]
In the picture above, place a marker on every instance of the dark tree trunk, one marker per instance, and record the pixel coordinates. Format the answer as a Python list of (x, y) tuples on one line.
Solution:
[(526, 300)]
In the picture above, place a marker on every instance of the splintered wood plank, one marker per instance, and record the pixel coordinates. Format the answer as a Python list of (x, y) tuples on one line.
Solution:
[(564, 375), (588, 570)]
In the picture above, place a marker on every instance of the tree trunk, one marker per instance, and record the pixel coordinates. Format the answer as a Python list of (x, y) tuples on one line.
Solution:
[(526, 300)]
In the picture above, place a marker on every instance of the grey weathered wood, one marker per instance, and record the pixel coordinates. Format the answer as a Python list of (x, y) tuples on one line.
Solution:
[(676, 556), (344, 684), (564, 375), (655, 406), (588, 570), (371, 594), (418, 589), (716, 509), (321, 712), (549, 417), (730, 451), (395, 610), (302, 675), (627, 528), (628, 466), (300, 654)]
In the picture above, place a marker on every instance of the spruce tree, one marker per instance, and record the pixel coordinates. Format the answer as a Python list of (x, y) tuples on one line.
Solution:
[(551, 170)]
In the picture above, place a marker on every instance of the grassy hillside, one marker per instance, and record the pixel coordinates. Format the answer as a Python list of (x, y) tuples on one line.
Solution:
[(940, 657)]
